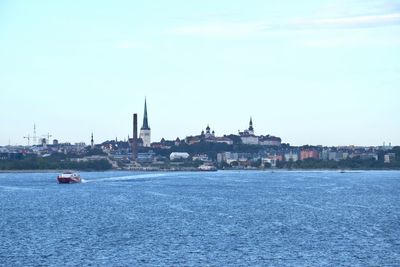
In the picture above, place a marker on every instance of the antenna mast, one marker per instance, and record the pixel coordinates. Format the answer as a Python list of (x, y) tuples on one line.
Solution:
[(34, 134)]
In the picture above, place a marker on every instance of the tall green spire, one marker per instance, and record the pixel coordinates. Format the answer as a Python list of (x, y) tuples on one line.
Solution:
[(145, 121)]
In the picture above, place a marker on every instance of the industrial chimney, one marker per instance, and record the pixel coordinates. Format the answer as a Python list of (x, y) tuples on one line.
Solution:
[(134, 139)]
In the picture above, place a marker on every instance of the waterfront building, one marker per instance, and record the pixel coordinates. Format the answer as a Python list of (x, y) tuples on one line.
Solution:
[(279, 157), (309, 154), (291, 156), (178, 155), (201, 157), (343, 155), (145, 132), (368, 156), (269, 140), (221, 140), (324, 154), (227, 157), (146, 157), (249, 139), (332, 155), (271, 160), (335, 155), (389, 157)]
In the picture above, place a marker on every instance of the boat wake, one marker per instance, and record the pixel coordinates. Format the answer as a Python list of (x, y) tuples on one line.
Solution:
[(125, 178)]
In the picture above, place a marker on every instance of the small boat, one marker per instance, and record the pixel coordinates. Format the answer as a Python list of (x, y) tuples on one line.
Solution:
[(207, 167), (69, 178)]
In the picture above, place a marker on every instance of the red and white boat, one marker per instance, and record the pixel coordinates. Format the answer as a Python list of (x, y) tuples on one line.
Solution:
[(69, 178)]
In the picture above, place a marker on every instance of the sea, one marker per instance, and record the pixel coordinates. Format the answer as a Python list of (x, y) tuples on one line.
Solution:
[(223, 218)]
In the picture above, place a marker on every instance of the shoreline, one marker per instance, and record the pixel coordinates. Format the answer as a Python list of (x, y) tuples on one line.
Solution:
[(195, 170)]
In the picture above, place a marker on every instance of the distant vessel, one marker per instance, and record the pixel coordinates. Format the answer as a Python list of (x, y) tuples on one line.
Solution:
[(69, 178), (207, 167)]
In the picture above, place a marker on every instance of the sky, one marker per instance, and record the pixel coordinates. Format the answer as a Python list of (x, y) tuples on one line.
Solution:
[(311, 72)]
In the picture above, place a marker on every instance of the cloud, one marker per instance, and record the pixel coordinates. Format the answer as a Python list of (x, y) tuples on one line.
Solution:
[(327, 42), (254, 28), (355, 21)]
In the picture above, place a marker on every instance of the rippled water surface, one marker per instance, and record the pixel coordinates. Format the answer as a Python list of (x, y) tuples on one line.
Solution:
[(201, 219)]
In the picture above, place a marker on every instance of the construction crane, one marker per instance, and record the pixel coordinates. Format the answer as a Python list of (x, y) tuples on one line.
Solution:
[(29, 139), (47, 136)]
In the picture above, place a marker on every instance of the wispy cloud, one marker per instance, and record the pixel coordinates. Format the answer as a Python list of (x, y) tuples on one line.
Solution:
[(252, 28), (327, 42), (356, 21)]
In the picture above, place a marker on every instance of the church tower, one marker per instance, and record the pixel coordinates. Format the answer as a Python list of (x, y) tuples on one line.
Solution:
[(251, 129), (92, 142), (145, 133)]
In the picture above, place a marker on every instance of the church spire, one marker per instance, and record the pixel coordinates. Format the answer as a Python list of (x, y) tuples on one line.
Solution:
[(145, 120), (92, 142), (145, 133), (251, 129)]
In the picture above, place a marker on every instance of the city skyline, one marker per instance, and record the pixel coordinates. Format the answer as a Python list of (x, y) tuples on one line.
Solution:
[(318, 73)]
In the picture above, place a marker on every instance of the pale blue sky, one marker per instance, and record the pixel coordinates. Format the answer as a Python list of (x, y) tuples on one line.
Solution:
[(311, 72)]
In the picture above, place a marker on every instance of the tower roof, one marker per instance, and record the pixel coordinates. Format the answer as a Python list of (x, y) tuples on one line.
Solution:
[(145, 120), (251, 124)]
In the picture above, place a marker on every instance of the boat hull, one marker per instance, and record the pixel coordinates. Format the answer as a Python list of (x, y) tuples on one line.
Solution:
[(68, 180)]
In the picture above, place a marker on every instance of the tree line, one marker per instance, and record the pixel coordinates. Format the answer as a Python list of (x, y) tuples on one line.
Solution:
[(34, 163)]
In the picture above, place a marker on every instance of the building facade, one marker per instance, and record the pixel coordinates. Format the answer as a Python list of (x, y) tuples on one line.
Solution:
[(309, 154)]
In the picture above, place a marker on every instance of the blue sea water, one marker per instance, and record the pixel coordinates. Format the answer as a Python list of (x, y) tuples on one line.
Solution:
[(224, 218)]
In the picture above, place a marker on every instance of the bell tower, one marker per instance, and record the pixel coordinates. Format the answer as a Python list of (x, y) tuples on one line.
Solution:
[(145, 132)]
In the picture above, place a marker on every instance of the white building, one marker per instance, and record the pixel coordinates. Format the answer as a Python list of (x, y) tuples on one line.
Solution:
[(201, 157), (247, 136), (179, 155), (270, 160), (389, 157), (291, 156), (269, 140), (249, 140), (145, 132), (227, 157)]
